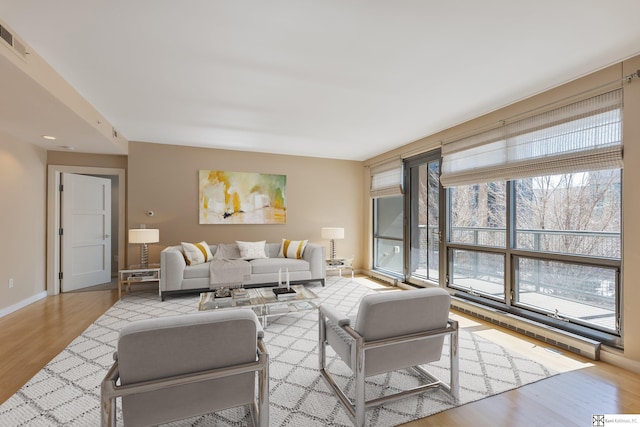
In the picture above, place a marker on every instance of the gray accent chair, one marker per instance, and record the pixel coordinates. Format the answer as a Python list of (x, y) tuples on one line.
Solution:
[(393, 330), (177, 367)]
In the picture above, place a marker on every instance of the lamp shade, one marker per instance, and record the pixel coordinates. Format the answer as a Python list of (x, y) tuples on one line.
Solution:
[(144, 235), (332, 233)]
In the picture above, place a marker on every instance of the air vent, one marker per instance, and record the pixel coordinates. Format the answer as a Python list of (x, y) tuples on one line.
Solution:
[(6, 35), (17, 46)]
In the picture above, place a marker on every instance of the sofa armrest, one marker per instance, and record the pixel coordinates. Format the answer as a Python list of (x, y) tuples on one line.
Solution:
[(315, 255), (172, 265)]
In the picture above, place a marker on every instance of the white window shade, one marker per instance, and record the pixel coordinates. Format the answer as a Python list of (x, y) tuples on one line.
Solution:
[(586, 135), (386, 179)]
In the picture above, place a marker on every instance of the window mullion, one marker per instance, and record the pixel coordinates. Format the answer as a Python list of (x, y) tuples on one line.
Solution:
[(509, 265)]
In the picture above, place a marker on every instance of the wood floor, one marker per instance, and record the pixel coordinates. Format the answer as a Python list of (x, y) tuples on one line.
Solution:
[(32, 336)]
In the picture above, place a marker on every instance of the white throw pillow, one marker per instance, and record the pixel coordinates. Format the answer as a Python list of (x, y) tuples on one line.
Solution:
[(292, 248), (196, 253), (252, 250)]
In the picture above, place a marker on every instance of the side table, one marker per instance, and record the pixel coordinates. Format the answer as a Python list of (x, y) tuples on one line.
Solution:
[(340, 264), (136, 274)]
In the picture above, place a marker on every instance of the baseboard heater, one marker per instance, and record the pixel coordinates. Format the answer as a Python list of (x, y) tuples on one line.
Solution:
[(384, 279), (562, 339)]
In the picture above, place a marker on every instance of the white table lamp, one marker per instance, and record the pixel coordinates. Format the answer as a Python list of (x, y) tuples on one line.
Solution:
[(144, 236), (332, 234)]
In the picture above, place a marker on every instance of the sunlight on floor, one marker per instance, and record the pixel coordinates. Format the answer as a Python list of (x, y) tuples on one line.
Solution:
[(550, 356)]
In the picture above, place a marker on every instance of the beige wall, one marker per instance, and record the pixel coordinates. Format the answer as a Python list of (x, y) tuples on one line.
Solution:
[(631, 225), (164, 179), (67, 158), (23, 224), (583, 87)]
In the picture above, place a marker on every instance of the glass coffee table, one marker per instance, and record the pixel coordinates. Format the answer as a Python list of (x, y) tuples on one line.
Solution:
[(263, 301)]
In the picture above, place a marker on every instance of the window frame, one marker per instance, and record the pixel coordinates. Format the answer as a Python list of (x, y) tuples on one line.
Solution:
[(511, 254)]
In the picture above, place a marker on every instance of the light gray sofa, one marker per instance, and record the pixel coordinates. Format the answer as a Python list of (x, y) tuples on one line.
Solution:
[(178, 277)]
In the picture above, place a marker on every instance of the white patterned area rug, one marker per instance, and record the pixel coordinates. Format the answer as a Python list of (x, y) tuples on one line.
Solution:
[(67, 390)]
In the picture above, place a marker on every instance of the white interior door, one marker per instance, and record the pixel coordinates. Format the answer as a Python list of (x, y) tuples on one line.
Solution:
[(86, 231)]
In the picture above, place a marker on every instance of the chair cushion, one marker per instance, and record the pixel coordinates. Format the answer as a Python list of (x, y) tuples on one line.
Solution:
[(420, 310), (169, 346), (185, 344), (395, 313)]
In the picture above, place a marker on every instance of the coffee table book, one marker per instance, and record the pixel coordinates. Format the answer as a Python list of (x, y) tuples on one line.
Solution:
[(283, 294)]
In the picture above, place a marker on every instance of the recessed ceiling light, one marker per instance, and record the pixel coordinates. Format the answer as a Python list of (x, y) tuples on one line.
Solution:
[(49, 137), (67, 147)]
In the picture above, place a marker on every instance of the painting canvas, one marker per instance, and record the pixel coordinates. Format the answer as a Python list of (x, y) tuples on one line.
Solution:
[(242, 198)]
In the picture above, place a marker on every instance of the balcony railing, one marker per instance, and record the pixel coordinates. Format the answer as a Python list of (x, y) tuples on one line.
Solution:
[(582, 292)]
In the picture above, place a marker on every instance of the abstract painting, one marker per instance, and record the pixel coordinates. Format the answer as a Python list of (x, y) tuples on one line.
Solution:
[(242, 198)]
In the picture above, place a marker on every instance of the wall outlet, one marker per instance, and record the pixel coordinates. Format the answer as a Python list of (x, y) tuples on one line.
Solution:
[(11, 283)]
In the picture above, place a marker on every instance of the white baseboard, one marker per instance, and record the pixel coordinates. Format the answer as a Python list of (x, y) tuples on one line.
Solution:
[(616, 357), (22, 304)]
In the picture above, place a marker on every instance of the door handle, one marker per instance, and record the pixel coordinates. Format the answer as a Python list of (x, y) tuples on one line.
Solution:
[(106, 236)]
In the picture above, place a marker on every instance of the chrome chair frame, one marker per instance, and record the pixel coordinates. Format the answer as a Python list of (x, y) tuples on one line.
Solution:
[(259, 409), (356, 408)]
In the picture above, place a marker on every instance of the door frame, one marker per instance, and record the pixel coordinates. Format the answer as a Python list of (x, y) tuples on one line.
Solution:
[(53, 217)]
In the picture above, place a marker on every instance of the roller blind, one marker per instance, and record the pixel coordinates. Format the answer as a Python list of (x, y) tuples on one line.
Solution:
[(386, 179), (582, 136)]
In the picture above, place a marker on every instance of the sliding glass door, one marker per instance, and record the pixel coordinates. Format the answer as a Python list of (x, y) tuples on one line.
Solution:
[(423, 205)]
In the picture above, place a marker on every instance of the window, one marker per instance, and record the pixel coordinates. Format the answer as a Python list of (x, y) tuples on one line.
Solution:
[(576, 216), (388, 240), (576, 213), (525, 218), (478, 214), (478, 219), (534, 215)]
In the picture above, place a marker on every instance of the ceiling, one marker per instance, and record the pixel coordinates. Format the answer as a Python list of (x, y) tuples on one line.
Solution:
[(333, 78)]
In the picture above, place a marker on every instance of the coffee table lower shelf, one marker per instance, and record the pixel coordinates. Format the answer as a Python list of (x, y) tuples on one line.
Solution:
[(262, 301)]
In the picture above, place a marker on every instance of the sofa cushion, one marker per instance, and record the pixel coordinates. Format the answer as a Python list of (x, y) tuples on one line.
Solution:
[(292, 248), (272, 265), (197, 271), (196, 253)]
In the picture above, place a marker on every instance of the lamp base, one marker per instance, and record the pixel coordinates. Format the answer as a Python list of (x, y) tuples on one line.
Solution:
[(144, 256), (332, 251)]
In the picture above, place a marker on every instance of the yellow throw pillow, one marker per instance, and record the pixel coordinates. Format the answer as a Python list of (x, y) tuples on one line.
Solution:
[(292, 248), (196, 253)]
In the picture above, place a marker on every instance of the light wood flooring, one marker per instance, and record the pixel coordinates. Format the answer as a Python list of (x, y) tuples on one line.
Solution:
[(32, 336)]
